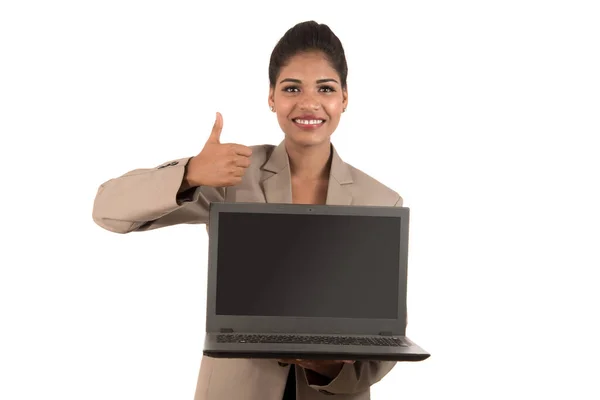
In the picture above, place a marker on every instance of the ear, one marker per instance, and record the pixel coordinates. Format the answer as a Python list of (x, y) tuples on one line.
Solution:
[(271, 99), (345, 97)]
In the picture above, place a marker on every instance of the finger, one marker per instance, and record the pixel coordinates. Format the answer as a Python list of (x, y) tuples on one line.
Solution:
[(305, 364), (239, 171), (215, 134), (242, 161), (242, 150)]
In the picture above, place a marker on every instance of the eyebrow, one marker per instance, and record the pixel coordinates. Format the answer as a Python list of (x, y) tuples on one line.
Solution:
[(318, 80)]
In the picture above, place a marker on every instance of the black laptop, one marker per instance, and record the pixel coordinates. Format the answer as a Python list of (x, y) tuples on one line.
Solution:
[(308, 282)]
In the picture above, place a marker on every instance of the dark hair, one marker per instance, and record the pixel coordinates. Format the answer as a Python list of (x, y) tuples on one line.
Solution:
[(305, 37)]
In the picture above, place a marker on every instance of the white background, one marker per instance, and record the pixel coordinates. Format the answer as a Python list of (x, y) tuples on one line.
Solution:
[(483, 115)]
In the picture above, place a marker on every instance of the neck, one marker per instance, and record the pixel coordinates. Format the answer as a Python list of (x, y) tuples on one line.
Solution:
[(309, 163)]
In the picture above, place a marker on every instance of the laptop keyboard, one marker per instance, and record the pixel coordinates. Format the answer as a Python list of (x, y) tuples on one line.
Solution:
[(310, 339)]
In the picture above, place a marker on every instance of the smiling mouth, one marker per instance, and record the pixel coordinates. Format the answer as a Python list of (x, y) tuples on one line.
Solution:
[(308, 122)]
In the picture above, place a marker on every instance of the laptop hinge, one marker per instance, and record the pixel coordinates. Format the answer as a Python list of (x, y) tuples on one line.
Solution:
[(226, 330), (386, 333)]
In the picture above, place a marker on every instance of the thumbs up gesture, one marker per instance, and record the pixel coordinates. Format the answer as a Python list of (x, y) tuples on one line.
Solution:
[(218, 164)]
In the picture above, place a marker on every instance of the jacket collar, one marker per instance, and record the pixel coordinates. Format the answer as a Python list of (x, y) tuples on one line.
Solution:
[(277, 181)]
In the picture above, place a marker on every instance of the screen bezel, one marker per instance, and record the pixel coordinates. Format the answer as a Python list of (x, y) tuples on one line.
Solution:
[(280, 324)]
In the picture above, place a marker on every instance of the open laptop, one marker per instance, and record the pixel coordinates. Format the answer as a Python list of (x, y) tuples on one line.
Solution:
[(308, 282)]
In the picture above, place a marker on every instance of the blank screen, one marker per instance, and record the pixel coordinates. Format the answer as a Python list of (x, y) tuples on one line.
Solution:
[(308, 265)]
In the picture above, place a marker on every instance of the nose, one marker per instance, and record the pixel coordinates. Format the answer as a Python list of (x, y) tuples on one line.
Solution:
[(308, 101)]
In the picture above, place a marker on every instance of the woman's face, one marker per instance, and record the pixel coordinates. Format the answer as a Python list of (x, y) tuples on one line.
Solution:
[(308, 99)]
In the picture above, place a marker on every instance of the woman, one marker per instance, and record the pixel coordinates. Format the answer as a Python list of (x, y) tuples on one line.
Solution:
[(308, 94)]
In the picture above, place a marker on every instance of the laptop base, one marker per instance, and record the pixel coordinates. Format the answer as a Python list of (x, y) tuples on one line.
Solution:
[(312, 351)]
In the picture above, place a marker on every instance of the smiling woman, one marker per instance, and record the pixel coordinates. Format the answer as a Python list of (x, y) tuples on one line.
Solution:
[(308, 84), (308, 93)]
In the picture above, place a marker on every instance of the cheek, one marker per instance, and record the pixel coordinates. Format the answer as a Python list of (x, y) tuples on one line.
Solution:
[(283, 106), (335, 104), (334, 110), (285, 113)]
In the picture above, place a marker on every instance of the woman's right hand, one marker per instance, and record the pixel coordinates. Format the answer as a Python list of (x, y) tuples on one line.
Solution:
[(218, 164)]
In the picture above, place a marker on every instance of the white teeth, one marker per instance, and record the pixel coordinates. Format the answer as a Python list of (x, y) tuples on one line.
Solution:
[(309, 121)]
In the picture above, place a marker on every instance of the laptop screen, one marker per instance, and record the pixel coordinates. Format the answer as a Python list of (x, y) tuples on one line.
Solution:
[(335, 266)]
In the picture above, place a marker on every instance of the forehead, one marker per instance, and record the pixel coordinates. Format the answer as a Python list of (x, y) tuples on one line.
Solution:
[(308, 66)]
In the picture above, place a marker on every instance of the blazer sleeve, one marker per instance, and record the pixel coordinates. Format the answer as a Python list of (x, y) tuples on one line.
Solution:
[(354, 378), (151, 198)]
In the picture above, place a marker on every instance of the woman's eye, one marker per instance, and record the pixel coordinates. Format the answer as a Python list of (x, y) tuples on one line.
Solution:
[(295, 89)]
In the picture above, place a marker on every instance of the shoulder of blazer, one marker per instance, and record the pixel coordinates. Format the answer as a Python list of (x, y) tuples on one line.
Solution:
[(367, 190)]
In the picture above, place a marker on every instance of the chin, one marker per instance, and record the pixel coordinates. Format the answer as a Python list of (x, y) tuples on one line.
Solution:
[(305, 139)]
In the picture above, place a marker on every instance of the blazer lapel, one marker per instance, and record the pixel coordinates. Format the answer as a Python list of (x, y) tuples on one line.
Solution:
[(277, 181), (277, 184), (340, 180)]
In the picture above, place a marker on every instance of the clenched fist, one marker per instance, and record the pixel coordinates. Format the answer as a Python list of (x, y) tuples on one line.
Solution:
[(218, 164)]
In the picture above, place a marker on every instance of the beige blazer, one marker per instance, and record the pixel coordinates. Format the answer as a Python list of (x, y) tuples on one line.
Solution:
[(145, 199)]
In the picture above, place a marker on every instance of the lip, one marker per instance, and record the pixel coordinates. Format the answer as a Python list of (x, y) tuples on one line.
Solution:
[(308, 116)]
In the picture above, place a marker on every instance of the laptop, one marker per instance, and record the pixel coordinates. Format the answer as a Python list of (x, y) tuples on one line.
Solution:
[(321, 282)]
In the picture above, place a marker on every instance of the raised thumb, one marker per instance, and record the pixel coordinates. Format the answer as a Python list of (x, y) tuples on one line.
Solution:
[(215, 135)]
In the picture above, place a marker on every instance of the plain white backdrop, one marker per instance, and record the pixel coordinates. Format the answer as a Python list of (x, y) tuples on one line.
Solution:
[(484, 116)]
